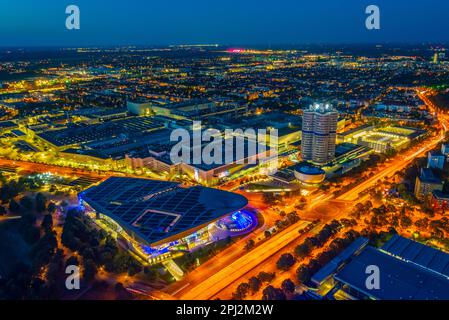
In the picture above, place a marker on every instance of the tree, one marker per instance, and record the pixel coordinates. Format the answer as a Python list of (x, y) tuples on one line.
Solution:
[(265, 276), (44, 249), (14, 207), (285, 262), (55, 273), (150, 274), (288, 286), (40, 202), (254, 284), (47, 222), (303, 274), (249, 244), (303, 250), (119, 287), (134, 268), (90, 270), (241, 291), (272, 293), (51, 208), (122, 262), (72, 261), (27, 203), (406, 222), (64, 205)]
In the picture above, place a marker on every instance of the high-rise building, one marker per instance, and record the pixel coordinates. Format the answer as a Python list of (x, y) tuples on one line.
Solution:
[(435, 160), (426, 183), (319, 133), (435, 58)]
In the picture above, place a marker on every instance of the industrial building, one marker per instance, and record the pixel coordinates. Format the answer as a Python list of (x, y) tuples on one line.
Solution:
[(409, 270), (381, 139)]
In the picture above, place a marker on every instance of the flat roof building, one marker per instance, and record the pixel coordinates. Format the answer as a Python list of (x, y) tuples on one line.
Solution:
[(436, 160), (399, 279), (408, 270), (156, 216)]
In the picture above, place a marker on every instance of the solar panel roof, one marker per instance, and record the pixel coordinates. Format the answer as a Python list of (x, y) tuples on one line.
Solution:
[(81, 133), (156, 209)]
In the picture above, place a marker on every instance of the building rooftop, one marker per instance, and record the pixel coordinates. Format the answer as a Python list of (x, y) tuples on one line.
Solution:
[(309, 169), (417, 253), (440, 195), (7, 124), (286, 123), (399, 279), (157, 210), (244, 151), (321, 108), (407, 132), (365, 127), (435, 153), (81, 133), (332, 267), (350, 150)]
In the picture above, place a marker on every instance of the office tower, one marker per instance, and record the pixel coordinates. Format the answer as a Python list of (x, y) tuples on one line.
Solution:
[(319, 131), (435, 58)]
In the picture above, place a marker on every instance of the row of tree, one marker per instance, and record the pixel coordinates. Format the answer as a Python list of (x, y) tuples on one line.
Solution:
[(253, 285)]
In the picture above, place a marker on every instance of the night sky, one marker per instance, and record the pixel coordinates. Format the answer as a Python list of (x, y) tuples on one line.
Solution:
[(251, 22)]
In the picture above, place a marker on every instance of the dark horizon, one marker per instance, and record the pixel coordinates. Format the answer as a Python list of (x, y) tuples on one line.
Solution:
[(158, 23), (389, 44)]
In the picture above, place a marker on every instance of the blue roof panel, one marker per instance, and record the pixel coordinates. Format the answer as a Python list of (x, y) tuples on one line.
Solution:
[(418, 253), (156, 210), (399, 280)]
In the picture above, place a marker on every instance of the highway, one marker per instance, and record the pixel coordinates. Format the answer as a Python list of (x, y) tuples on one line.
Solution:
[(6, 218), (398, 164), (30, 167)]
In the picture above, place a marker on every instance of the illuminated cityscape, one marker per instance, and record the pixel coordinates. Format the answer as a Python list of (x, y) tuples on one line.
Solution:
[(224, 172)]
